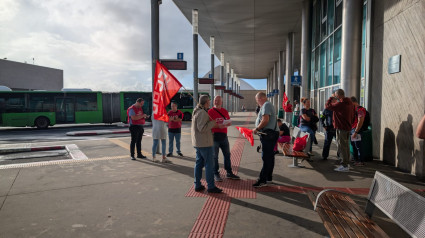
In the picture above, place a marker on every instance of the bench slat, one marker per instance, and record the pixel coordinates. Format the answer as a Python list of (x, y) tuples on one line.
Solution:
[(347, 225), (362, 222), (342, 217), (287, 151), (327, 222), (366, 221), (353, 226), (332, 216)]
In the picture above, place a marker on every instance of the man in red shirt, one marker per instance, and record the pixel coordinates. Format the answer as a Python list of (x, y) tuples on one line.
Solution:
[(343, 113), (220, 114), (356, 133), (174, 129)]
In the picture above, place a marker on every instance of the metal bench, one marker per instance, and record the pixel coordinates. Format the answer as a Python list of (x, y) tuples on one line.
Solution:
[(342, 217), (287, 148)]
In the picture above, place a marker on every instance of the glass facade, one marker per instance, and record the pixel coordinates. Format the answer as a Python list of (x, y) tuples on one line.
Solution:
[(325, 67), (326, 49)]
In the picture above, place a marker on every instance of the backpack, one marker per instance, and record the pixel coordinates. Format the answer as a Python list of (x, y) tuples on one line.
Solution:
[(366, 122)]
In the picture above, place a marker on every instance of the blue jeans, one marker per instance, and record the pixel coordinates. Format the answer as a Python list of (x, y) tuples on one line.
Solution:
[(225, 149), (171, 137), (204, 157), (357, 148), (305, 128), (267, 155), (329, 135), (155, 145)]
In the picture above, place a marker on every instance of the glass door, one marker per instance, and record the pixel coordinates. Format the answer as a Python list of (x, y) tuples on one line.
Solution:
[(65, 112)]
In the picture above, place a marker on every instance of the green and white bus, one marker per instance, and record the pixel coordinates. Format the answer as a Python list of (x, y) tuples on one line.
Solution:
[(46, 108)]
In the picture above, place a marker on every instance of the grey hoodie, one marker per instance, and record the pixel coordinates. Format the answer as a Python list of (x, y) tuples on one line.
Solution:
[(201, 128)]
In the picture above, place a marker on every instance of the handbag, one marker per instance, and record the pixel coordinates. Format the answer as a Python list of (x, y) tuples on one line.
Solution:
[(300, 143)]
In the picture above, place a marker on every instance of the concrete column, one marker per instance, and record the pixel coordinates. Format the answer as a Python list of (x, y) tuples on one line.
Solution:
[(212, 67), (305, 48), (227, 84), (351, 47), (155, 43), (289, 66), (221, 73), (232, 76), (281, 73), (276, 86), (195, 56)]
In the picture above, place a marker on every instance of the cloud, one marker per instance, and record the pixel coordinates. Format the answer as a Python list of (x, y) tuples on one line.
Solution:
[(99, 44)]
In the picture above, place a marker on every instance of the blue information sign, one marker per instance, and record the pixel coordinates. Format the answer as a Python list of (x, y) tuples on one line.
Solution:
[(296, 80), (180, 56)]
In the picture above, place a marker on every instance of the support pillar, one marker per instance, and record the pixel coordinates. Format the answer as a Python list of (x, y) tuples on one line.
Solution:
[(351, 47), (212, 67), (227, 84), (221, 73), (195, 56), (305, 49), (289, 65), (281, 73), (275, 87), (289, 69)]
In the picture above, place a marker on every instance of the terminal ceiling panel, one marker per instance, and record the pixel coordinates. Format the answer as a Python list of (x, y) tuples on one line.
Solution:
[(251, 33)]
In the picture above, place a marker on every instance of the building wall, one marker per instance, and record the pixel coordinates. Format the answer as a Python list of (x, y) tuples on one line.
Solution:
[(398, 100), (22, 76), (249, 99)]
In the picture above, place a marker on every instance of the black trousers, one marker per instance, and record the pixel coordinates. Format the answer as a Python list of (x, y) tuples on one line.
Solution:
[(136, 138), (329, 135), (267, 156)]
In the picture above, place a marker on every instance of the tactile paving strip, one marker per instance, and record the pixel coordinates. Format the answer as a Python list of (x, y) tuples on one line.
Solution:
[(56, 162), (231, 188), (212, 218)]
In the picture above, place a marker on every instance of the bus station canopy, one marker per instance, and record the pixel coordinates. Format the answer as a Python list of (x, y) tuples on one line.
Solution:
[(251, 33)]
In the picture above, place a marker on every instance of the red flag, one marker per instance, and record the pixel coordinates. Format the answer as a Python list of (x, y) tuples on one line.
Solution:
[(285, 99), (247, 133), (165, 87)]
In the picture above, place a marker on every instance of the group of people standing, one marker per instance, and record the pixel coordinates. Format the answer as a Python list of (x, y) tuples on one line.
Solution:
[(343, 117), (136, 119)]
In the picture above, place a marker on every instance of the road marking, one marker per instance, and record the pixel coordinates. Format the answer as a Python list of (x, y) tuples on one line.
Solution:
[(127, 146)]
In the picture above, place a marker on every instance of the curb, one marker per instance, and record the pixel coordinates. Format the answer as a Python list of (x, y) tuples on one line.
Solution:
[(72, 149), (99, 132), (31, 149)]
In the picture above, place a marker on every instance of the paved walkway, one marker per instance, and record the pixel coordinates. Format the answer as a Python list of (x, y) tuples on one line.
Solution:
[(108, 195)]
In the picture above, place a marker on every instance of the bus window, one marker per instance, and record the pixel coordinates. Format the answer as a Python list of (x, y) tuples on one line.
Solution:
[(86, 102), (15, 103), (41, 103)]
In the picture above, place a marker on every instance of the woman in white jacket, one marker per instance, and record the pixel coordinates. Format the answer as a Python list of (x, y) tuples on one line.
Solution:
[(159, 132)]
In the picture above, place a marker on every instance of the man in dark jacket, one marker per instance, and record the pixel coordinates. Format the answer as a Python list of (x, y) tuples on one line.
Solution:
[(330, 132), (343, 114)]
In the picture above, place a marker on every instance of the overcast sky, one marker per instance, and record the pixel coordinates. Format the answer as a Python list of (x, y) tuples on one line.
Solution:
[(99, 44)]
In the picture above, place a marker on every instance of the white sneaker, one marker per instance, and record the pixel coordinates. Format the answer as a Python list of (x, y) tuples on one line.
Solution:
[(155, 160), (341, 168), (165, 160)]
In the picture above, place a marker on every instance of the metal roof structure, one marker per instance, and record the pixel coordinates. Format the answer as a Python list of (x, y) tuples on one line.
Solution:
[(251, 33)]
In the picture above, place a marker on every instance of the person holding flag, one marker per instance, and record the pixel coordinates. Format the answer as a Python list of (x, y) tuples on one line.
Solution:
[(165, 87), (220, 115)]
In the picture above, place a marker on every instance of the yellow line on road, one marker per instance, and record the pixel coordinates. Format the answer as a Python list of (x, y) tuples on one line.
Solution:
[(127, 146)]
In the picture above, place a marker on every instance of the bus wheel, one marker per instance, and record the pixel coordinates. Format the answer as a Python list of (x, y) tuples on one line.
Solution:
[(42, 122), (187, 116)]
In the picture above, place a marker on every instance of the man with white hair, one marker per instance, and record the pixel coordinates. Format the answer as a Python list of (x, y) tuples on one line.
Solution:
[(266, 123)]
